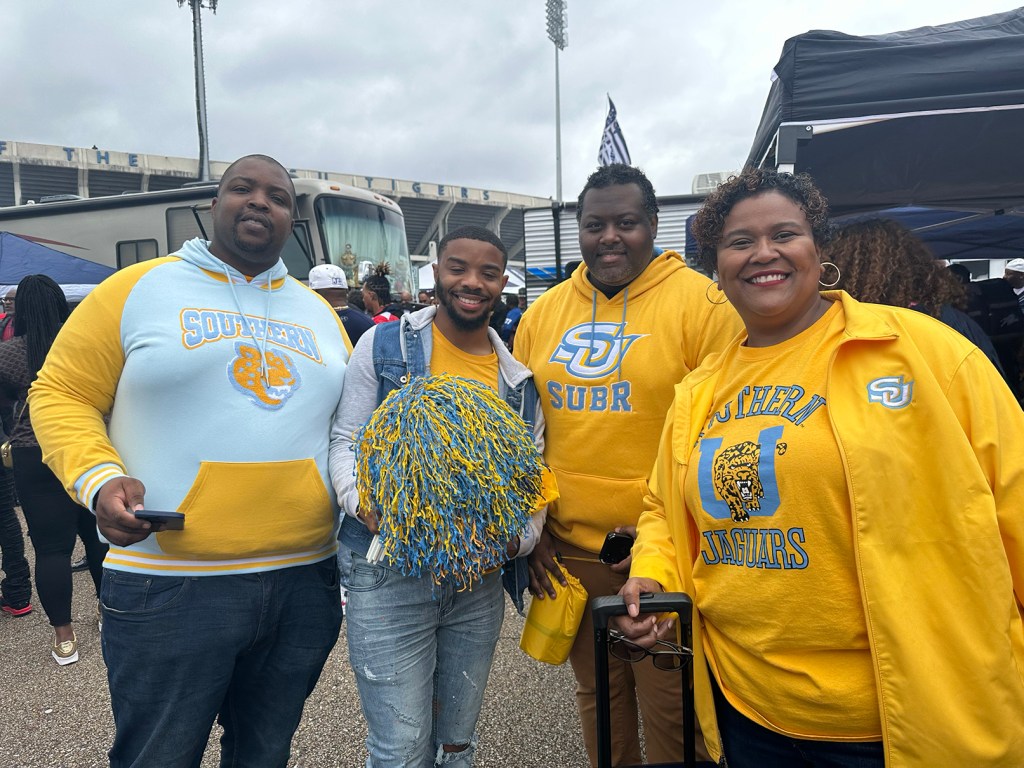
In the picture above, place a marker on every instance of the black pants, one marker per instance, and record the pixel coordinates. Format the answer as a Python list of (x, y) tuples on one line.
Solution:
[(16, 588), (54, 519)]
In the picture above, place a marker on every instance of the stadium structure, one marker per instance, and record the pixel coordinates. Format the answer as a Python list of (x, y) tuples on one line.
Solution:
[(30, 173)]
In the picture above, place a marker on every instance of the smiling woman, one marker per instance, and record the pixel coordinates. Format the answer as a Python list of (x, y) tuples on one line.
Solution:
[(762, 234), (767, 506)]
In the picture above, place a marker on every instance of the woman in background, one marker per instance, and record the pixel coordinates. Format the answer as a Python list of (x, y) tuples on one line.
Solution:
[(53, 518), (841, 492), (883, 262)]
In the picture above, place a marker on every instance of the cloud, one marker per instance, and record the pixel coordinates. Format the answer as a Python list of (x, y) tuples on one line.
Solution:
[(445, 90)]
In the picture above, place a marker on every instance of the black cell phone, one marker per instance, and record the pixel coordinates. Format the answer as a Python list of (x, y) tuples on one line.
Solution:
[(162, 521), (616, 548)]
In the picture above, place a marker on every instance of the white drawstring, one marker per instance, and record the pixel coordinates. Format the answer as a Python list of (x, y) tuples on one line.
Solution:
[(262, 342)]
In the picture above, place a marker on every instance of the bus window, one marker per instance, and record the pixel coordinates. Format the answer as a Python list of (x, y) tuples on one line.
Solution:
[(356, 231), (134, 251), (297, 253), (182, 224)]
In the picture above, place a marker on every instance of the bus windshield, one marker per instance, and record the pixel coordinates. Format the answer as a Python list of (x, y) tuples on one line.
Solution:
[(359, 235)]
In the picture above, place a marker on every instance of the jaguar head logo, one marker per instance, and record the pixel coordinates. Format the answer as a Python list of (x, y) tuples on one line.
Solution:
[(737, 480), (271, 391)]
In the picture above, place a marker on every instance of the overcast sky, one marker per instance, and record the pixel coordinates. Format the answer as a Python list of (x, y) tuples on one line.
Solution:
[(447, 91)]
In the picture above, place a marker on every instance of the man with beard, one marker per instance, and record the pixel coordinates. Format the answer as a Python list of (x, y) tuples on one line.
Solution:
[(422, 651), (608, 345), (221, 376)]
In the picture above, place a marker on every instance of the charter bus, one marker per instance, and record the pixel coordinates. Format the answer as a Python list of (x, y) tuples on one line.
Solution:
[(336, 224)]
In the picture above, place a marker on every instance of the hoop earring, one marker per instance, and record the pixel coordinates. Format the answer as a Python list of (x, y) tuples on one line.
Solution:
[(834, 283), (707, 295)]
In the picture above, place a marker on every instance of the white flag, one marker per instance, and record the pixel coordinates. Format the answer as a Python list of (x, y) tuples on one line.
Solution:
[(613, 143)]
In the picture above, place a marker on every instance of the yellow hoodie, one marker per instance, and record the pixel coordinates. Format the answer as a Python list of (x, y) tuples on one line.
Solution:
[(605, 369)]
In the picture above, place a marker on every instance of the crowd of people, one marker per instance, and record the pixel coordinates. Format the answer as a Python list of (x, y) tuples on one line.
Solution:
[(821, 446)]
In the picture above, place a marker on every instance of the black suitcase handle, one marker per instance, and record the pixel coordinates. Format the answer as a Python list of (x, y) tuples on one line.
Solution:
[(660, 602), (605, 608)]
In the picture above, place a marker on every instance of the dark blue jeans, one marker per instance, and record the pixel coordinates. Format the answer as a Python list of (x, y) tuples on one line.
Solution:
[(749, 745), (245, 649)]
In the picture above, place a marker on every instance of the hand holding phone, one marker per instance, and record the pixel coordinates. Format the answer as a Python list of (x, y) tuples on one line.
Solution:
[(162, 521), (617, 547)]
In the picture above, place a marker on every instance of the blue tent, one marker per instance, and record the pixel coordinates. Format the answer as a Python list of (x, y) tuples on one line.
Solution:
[(20, 257)]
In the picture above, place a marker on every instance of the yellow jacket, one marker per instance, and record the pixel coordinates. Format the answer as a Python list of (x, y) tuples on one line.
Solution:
[(937, 492)]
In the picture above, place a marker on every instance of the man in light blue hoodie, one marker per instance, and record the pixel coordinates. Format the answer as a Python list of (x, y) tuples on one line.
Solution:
[(221, 376)]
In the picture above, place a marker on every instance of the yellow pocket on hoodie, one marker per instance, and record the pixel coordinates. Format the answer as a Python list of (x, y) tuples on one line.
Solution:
[(238, 510), (589, 506)]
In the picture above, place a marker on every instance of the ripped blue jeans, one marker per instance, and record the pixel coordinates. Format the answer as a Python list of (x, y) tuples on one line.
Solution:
[(421, 655)]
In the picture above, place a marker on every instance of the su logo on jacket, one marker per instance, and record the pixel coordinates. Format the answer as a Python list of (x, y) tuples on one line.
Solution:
[(592, 351), (891, 392)]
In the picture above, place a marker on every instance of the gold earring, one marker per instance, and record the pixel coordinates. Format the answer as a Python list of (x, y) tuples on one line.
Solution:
[(834, 283), (707, 294)]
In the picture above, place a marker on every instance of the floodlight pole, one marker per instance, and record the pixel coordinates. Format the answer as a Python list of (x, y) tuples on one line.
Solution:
[(197, 45), (556, 14), (558, 133)]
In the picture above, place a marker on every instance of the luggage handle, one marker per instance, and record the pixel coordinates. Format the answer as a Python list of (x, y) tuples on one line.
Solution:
[(603, 608), (660, 602)]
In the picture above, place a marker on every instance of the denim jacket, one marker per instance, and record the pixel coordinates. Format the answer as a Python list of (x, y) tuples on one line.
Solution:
[(400, 351)]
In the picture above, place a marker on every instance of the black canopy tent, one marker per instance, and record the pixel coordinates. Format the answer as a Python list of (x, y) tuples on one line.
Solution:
[(928, 117)]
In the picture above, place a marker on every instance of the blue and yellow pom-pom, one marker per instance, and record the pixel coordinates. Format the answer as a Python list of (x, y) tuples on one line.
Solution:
[(454, 475)]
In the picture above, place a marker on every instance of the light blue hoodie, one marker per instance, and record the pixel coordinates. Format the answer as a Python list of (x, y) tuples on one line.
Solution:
[(224, 390)]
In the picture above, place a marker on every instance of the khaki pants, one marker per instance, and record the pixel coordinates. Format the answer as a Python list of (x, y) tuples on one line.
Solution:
[(659, 692)]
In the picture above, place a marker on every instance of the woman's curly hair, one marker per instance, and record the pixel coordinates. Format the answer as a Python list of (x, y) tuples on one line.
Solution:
[(883, 262), (709, 221)]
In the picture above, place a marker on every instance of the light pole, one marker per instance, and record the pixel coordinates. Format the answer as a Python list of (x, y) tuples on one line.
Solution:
[(558, 34), (197, 45)]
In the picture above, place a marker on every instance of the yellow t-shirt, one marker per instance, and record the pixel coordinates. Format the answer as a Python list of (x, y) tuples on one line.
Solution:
[(775, 580), (445, 357)]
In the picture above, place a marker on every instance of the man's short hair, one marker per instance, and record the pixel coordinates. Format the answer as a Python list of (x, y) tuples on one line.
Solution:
[(472, 232), (620, 173)]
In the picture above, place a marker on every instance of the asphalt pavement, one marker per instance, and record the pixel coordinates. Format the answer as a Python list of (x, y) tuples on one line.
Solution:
[(59, 717)]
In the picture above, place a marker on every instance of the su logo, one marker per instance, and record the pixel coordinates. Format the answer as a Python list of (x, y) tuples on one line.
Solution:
[(891, 392), (593, 350), (282, 376), (740, 481)]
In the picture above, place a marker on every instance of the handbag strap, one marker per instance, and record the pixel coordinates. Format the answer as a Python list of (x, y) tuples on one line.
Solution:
[(17, 418)]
